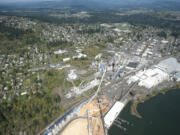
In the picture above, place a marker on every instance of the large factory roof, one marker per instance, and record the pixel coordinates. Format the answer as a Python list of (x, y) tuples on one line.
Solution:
[(157, 74), (149, 78), (154, 77)]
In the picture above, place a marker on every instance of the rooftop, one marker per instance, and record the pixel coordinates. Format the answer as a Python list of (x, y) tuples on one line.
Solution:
[(170, 65)]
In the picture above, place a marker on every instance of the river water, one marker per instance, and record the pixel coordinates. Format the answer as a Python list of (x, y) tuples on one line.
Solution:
[(160, 116)]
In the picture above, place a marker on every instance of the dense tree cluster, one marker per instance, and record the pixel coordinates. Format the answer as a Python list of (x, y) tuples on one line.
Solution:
[(14, 40), (29, 115), (14, 33), (162, 34)]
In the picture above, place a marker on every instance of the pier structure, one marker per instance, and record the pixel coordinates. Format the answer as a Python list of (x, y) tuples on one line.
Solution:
[(116, 109), (113, 113)]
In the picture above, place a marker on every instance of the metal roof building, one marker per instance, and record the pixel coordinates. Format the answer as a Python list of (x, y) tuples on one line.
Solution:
[(113, 113)]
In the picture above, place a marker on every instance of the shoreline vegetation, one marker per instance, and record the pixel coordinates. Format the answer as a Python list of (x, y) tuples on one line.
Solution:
[(135, 103)]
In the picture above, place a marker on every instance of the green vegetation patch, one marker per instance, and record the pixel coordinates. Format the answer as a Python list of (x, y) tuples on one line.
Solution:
[(54, 78), (29, 114), (82, 63), (15, 40)]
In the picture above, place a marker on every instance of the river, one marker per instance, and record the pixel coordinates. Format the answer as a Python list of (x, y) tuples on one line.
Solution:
[(160, 116)]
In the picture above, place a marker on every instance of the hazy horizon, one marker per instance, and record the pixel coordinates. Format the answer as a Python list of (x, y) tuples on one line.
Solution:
[(89, 3), (13, 1)]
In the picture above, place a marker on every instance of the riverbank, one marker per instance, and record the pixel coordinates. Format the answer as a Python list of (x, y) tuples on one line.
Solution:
[(145, 98), (160, 116)]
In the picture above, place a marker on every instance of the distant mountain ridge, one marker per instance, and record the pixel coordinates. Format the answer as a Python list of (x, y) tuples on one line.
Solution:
[(115, 3), (155, 4)]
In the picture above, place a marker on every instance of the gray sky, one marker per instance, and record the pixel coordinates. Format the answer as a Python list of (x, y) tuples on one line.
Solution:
[(16, 0), (62, 0), (20, 0)]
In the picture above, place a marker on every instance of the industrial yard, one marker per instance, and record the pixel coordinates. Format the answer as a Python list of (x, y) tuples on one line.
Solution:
[(124, 77), (89, 119), (77, 127), (136, 71)]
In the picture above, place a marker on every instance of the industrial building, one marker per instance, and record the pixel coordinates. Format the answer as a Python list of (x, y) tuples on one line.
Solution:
[(149, 78), (132, 65), (157, 74)]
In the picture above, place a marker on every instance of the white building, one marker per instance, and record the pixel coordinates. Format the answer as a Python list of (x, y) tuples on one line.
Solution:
[(159, 73), (60, 51), (98, 56), (149, 78), (72, 75), (66, 59), (164, 41), (80, 55)]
